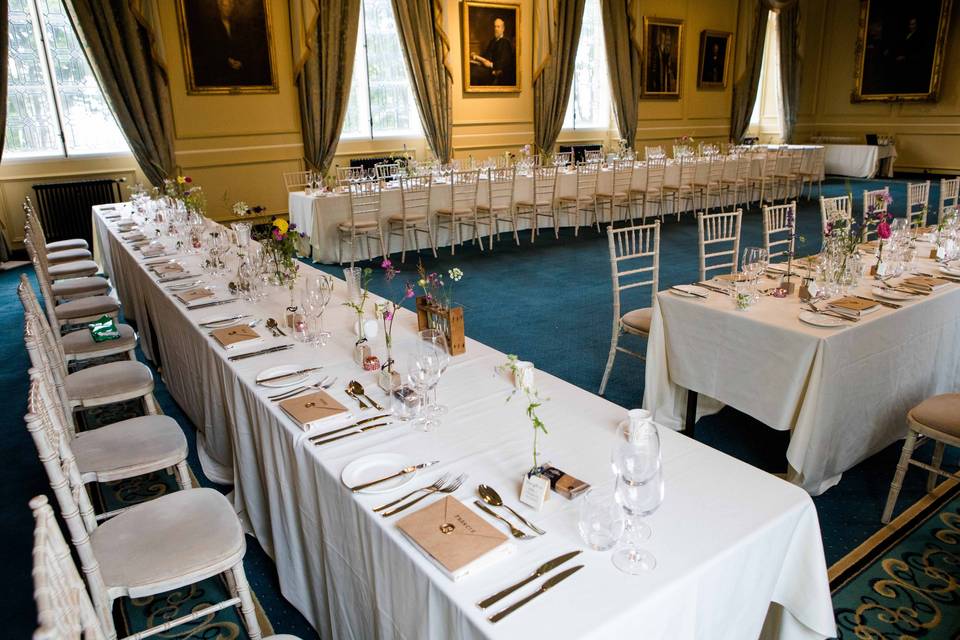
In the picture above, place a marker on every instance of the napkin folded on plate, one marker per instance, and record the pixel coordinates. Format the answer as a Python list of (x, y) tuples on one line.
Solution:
[(925, 282), (230, 337), (853, 306), (193, 295), (454, 538), (313, 409)]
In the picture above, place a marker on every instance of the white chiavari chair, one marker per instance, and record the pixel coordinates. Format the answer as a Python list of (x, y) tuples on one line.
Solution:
[(708, 149), (735, 189), (653, 188), (634, 263), (653, 152), (710, 186), (593, 155), (779, 229), (364, 221), (79, 345), (501, 184), (949, 198), (682, 191), (918, 202), (414, 216), (563, 158), (76, 310), (166, 543), (346, 175), (877, 200), (464, 187), (296, 180), (387, 170), (787, 179), (618, 197), (812, 170), (543, 203), (58, 245), (682, 151), (832, 209), (583, 203), (34, 229), (74, 268), (719, 233), (68, 285), (762, 184)]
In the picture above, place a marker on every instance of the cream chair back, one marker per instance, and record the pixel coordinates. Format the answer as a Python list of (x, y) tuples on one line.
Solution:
[(949, 197), (364, 202), (464, 186), (918, 201), (545, 185), (345, 175), (715, 170), (387, 170), (45, 356), (64, 608), (833, 209), (634, 259), (657, 171), (653, 152), (415, 196), (719, 233), (587, 175), (295, 180), (623, 176), (779, 225), (877, 200), (500, 188)]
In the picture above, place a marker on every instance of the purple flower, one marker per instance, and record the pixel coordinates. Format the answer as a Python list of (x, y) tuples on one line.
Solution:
[(388, 316), (292, 226), (276, 235), (386, 264), (883, 230), (409, 293)]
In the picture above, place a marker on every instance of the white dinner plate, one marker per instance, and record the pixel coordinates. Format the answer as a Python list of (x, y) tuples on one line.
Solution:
[(891, 294), (821, 320), (279, 371), (688, 291), (374, 467), (950, 270)]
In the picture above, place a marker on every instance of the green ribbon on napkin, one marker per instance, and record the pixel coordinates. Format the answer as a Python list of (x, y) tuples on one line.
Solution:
[(104, 329)]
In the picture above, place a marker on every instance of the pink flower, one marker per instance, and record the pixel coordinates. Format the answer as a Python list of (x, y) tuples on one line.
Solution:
[(409, 293), (386, 264), (883, 230), (276, 234)]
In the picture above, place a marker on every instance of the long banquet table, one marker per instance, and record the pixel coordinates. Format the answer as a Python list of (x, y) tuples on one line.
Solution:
[(843, 393), (318, 215), (860, 160), (732, 542)]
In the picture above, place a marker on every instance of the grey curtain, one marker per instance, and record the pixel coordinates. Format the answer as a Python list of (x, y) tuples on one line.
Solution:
[(121, 40), (624, 63), (551, 85), (788, 24), (4, 24), (745, 87), (425, 50), (324, 75)]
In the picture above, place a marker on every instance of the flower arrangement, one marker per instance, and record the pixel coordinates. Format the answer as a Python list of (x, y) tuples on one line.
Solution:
[(534, 402), (241, 209), (387, 311), (435, 289), (281, 243), (178, 187), (357, 305), (877, 215)]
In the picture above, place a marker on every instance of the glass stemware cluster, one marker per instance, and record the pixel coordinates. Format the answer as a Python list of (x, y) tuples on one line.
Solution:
[(317, 291), (427, 364), (753, 264)]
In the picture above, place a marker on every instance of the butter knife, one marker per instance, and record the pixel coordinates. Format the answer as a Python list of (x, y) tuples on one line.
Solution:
[(548, 584), (243, 356), (211, 304), (540, 571), (402, 472), (289, 375), (352, 433), (184, 277), (356, 424)]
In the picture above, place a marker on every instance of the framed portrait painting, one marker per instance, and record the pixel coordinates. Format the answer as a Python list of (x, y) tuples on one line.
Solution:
[(227, 46), (900, 50), (491, 47), (662, 54), (714, 57)]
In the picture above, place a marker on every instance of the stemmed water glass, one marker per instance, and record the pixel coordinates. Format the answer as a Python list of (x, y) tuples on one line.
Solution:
[(423, 374), (433, 344), (639, 490), (754, 262), (316, 296)]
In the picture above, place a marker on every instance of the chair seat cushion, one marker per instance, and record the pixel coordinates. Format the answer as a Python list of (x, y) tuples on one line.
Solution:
[(398, 217), (638, 319), (75, 269), (456, 211), (484, 207), (80, 286), (73, 243), (130, 448), (86, 307), (123, 378), (168, 542), (586, 199), (361, 224), (648, 192), (67, 255), (529, 203), (607, 194), (939, 412), (76, 343)]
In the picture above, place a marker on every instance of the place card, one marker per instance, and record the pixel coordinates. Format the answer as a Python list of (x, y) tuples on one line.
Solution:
[(457, 540), (312, 409), (193, 295), (534, 491), (230, 337)]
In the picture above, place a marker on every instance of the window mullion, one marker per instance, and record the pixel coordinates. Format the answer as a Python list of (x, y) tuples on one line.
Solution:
[(57, 106), (366, 63)]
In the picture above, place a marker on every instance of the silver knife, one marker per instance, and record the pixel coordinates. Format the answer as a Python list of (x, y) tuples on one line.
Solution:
[(549, 584), (242, 356), (402, 472), (222, 320), (184, 277), (288, 375), (356, 424), (542, 570), (352, 433), (211, 304)]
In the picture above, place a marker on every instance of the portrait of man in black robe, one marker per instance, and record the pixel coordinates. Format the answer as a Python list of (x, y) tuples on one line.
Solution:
[(229, 44), (491, 46)]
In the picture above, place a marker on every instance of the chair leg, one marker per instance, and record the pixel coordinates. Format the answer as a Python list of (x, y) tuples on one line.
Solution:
[(246, 602), (935, 462), (403, 242), (610, 357), (182, 471), (150, 405), (897, 483)]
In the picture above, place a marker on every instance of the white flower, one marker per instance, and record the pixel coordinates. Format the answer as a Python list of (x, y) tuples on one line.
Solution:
[(455, 274), (240, 208)]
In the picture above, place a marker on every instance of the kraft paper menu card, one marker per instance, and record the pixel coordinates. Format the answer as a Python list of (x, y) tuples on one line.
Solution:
[(229, 337), (857, 306), (455, 538), (313, 408), (194, 294), (167, 267), (926, 282)]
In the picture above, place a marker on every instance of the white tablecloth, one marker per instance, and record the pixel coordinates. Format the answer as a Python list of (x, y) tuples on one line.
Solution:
[(319, 215), (859, 160), (844, 393), (730, 539)]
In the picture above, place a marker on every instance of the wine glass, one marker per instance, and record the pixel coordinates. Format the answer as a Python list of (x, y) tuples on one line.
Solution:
[(423, 373), (638, 499), (434, 344), (752, 264), (317, 293)]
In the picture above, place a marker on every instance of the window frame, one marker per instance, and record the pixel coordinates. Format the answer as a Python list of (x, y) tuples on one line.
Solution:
[(592, 127)]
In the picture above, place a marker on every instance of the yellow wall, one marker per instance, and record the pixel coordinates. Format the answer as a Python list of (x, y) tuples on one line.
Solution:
[(927, 134)]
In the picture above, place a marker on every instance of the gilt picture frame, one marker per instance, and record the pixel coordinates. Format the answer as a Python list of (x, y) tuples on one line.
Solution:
[(900, 50), (662, 57), (490, 44), (714, 61), (227, 46)]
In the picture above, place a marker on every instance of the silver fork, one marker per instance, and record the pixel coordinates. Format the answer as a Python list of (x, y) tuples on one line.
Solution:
[(437, 484), (325, 383), (450, 488)]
